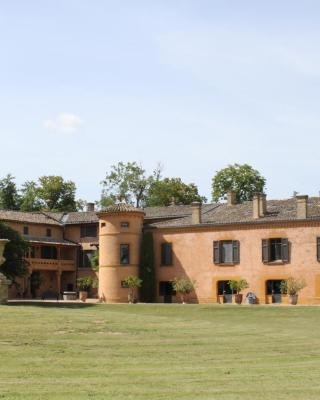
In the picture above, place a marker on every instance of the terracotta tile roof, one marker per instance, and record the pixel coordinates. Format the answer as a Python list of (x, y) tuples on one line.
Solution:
[(220, 214), (120, 208), (175, 216), (28, 217)]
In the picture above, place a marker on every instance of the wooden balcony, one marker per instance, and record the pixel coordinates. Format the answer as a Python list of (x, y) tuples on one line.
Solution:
[(51, 264)]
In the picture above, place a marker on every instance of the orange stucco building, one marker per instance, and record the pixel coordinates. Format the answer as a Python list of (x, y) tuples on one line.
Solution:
[(261, 241)]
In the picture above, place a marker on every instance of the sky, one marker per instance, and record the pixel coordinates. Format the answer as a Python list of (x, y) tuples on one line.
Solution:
[(193, 84)]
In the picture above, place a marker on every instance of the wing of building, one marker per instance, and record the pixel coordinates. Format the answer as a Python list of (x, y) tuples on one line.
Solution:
[(262, 241)]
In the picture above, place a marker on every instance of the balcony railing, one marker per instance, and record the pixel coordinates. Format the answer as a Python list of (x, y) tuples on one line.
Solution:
[(51, 264)]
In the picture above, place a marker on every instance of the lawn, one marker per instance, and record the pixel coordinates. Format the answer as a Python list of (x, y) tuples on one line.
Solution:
[(159, 352)]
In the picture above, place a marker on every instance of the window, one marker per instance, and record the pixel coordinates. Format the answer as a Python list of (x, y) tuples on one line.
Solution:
[(88, 231), (85, 258), (125, 224), (48, 232), (226, 252), (103, 224), (225, 291), (166, 289), (26, 230), (124, 254), (224, 288), (166, 254), (273, 288), (49, 252), (274, 250), (318, 248), (32, 252)]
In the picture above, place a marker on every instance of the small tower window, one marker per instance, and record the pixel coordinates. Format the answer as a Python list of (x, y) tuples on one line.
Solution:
[(125, 224), (124, 254)]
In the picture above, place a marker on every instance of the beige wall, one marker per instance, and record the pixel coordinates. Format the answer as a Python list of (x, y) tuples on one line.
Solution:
[(38, 230), (111, 235), (193, 257)]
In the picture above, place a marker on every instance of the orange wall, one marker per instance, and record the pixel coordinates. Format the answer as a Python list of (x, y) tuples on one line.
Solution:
[(193, 257), (37, 229)]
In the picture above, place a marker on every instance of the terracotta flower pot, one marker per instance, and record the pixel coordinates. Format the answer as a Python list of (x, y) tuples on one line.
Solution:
[(293, 299), (238, 298), (83, 296)]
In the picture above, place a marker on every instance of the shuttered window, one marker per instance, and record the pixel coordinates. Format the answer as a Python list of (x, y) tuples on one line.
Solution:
[(166, 254), (275, 249), (226, 252)]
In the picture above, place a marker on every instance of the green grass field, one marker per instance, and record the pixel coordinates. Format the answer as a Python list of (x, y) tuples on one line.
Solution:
[(159, 352)]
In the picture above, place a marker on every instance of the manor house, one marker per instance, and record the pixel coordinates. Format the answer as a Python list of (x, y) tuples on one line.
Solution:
[(263, 241)]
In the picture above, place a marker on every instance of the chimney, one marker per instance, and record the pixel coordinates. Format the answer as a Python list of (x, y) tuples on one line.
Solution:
[(302, 206), (196, 212), (263, 204), (256, 206), (89, 207), (231, 198)]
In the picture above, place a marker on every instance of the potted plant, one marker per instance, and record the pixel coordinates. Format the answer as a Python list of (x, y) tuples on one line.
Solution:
[(85, 284), (183, 286), (292, 287), (133, 283), (237, 286)]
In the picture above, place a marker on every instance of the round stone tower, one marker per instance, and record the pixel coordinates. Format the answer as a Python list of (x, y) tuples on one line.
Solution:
[(120, 231)]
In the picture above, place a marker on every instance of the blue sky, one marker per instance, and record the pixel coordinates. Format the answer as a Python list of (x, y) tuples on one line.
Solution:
[(195, 85)]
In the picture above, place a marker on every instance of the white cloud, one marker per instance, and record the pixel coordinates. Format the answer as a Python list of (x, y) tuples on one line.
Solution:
[(64, 122)]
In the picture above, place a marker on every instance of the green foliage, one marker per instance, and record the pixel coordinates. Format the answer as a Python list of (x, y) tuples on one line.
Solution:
[(238, 285), (29, 197), (86, 283), (133, 282), (9, 197), (147, 269), (94, 260), (56, 194), (183, 286), (163, 192), (15, 264), (242, 179), (126, 182), (292, 286)]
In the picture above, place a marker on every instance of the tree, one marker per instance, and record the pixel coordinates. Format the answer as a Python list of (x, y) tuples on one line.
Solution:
[(238, 285), (147, 270), (9, 197), (29, 197), (56, 194), (183, 286), (127, 182), (243, 180), (163, 192), (14, 252), (133, 283)]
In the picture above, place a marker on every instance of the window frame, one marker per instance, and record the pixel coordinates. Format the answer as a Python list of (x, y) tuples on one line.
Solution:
[(217, 252), (120, 251), (48, 232), (163, 255), (26, 230), (266, 251), (83, 230)]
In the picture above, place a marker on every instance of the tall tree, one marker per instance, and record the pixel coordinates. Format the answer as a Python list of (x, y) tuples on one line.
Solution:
[(127, 182), (243, 179), (9, 197), (56, 194), (147, 269), (163, 192), (29, 197), (15, 264)]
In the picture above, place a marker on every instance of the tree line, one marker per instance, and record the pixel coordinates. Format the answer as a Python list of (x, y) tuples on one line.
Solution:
[(130, 183)]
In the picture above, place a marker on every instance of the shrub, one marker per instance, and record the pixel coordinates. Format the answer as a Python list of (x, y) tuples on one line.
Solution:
[(292, 286), (86, 283), (183, 286), (238, 285)]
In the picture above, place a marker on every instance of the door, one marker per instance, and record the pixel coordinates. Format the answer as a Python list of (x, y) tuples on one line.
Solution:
[(166, 290), (273, 288), (225, 291)]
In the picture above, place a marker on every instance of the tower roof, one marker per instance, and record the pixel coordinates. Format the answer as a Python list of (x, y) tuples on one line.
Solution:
[(120, 208)]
